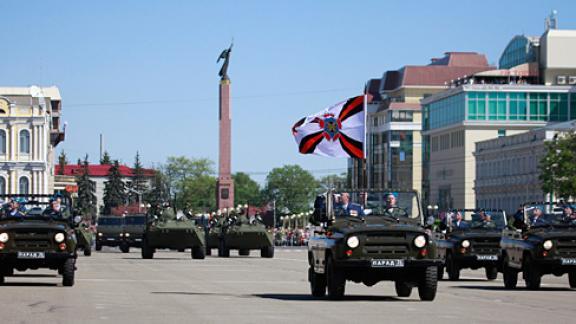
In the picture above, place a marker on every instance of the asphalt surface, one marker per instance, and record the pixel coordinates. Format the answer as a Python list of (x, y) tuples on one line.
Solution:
[(112, 287)]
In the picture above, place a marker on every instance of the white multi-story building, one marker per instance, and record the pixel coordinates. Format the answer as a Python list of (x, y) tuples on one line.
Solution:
[(29, 132)]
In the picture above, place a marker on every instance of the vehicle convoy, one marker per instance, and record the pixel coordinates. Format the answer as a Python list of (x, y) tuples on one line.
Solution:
[(134, 226), (166, 231), (85, 239), (110, 232), (471, 240), (237, 231), (37, 231), (542, 242), (367, 237)]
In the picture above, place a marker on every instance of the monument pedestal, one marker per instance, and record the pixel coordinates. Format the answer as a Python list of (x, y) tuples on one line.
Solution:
[(225, 184)]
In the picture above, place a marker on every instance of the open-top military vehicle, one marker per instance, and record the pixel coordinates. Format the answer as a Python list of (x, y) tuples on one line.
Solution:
[(543, 242), (472, 240), (367, 237), (110, 232), (38, 235), (166, 231), (236, 231), (134, 226)]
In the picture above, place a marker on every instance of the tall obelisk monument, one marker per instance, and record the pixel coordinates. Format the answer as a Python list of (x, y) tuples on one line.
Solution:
[(225, 184)]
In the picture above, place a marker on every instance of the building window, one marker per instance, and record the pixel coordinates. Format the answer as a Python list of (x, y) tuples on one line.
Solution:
[(558, 107), (538, 106), (24, 185), (2, 141), (401, 116), (2, 186), (25, 141)]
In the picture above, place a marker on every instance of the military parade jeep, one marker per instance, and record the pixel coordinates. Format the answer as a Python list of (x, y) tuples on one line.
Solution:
[(474, 242), (543, 246), (371, 242), (37, 239), (110, 232), (134, 226), (239, 232), (166, 231)]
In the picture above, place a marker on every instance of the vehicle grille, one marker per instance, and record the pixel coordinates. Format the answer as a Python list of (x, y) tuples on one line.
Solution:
[(32, 240), (392, 245), (566, 247), (487, 245)]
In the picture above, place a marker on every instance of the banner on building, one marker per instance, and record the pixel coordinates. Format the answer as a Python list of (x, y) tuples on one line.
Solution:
[(338, 131)]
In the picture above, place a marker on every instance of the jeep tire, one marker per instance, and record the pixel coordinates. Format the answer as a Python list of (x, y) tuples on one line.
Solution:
[(125, 248), (223, 251), (509, 275), (572, 279), (491, 273), (198, 252), (403, 289), (335, 280), (452, 268), (267, 252), (244, 252), (317, 283), (147, 251), (532, 276), (98, 247), (68, 269), (88, 251), (429, 284)]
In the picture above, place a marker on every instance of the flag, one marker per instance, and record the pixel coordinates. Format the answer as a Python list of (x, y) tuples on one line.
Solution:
[(338, 131)]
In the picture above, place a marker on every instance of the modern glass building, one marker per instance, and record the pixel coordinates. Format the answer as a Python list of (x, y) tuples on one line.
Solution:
[(520, 50)]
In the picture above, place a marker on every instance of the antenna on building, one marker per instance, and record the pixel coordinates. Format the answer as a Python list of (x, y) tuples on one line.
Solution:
[(101, 146), (552, 20)]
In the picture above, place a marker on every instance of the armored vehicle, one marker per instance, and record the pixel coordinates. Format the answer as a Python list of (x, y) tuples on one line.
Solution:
[(110, 232), (542, 242), (41, 238), (134, 226), (472, 240), (240, 232), (367, 237), (85, 239), (166, 231)]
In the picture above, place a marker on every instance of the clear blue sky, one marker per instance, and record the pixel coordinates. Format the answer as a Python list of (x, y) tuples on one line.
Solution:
[(290, 59)]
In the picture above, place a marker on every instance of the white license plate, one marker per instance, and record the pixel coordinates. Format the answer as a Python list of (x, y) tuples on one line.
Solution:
[(387, 263), (568, 261), (31, 255), (487, 257), (111, 239)]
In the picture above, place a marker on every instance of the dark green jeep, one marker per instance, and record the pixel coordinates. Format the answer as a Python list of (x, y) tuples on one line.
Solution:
[(367, 237), (38, 234), (542, 242)]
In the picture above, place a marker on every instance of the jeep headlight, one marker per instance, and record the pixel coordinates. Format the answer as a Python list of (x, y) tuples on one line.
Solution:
[(59, 237), (99, 234), (4, 237), (127, 234), (420, 241), (121, 234), (465, 244), (353, 242), (547, 245)]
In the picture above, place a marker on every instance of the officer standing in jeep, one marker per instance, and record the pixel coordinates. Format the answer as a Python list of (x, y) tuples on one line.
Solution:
[(14, 208)]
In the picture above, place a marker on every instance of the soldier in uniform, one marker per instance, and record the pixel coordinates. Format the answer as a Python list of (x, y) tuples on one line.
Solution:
[(392, 208), (348, 208), (568, 215), (14, 208), (537, 217)]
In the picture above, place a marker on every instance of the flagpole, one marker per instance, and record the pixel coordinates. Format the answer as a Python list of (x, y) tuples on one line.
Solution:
[(367, 183)]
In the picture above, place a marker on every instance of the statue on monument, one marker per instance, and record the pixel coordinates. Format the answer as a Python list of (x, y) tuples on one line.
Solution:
[(225, 55)]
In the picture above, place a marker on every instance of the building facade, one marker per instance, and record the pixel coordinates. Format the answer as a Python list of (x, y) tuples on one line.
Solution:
[(30, 129), (507, 172)]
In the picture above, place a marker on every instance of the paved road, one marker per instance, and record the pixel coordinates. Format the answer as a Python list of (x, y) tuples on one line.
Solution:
[(112, 287)]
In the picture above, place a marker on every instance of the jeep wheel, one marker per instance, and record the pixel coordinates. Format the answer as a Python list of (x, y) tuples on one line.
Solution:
[(181, 250), (572, 279), (98, 247), (125, 248), (267, 252), (1, 279), (532, 276), (317, 283), (491, 273), (452, 269), (403, 289), (147, 251), (208, 251), (244, 252), (440, 272), (429, 284), (223, 251), (509, 275), (68, 270), (88, 251), (198, 252), (335, 280)]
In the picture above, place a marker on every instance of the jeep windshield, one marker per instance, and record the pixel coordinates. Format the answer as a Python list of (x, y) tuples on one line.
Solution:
[(394, 205), (468, 219), (110, 221), (135, 220)]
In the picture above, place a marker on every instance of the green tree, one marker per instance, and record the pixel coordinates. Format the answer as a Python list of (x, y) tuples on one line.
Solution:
[(558, 166), (114, 189), (106, 159), (62, 162), (138, 181), (334, 181), (293, 188), (246, 190), (190, 182), (86, 202), (159, 190)]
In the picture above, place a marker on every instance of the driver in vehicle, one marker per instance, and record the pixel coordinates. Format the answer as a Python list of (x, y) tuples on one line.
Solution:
[(348, 208), (568, 215), (55, 209), (459, 223), (392, 208), (537, 217)]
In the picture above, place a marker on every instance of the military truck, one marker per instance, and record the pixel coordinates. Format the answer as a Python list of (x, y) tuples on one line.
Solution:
[(368, 237), (85, 238), (540, 246), (41, 238), (237, 231), (110, 232), (166, 231), (472, 240), (134, 226)]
